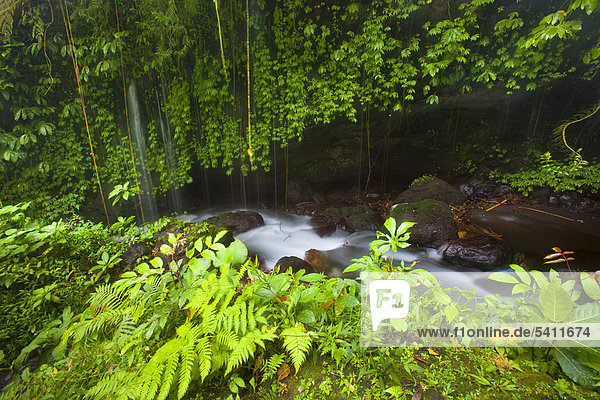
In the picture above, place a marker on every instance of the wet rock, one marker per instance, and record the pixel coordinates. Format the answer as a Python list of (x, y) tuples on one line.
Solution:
[(434, 222), (433, 188), (318, 261), (575, 202), (478, 190), (238, 221), (133, 253), (325, 229), (296, 263), (337, 213), (368, 221), (481, 252)]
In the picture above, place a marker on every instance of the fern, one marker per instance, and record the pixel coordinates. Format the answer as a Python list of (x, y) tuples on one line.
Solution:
[(272, 366), (297, 342)]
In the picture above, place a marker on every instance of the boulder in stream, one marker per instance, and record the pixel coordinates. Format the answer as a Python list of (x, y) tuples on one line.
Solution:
[(435, 223), (318, 261), (432, 188), (481, 252), (295, 262), (238, 221), (368, 221)]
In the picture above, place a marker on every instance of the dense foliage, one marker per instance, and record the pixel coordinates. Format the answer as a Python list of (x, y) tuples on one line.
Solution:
[(199, 314), (310, 63)]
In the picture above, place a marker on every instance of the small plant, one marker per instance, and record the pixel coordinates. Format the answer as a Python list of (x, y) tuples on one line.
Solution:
[(572, 174), (122, 192), (422, 178), (377, 261)]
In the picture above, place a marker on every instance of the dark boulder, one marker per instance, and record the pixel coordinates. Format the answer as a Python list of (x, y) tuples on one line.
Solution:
[(238, 221), (435, 223), (432, 188), (368, 221), (318, 261), (478, 190), (295, 262), (575, 202), (481, 252), (133, 253), (336, 213)]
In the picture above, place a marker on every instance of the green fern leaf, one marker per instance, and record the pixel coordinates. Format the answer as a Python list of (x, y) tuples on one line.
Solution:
[(204, 353), (297, 342)]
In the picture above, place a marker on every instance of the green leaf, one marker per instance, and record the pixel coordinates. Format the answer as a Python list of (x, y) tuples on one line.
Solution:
[(520, 288), (590, 286), (235, 254), (555, 302), (450, 311), (441, 296), (503, 277), (522, 274), (350, 301), (570, 362), (390, 225), (198, 266), (310, 278), (539, 278), (306, 317)]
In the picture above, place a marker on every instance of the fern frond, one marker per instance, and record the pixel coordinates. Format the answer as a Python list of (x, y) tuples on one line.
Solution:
[(185, 368), (297, 342), (124, 329), (204, 354), (241, 353), (227, 339), (209, 319), (272, 366), (243, 319), (168, 377)]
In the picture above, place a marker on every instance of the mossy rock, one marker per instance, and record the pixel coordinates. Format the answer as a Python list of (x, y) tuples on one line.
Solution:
[(432, 188), (343, 212), (368, 221), (238, 221), (435, 223)]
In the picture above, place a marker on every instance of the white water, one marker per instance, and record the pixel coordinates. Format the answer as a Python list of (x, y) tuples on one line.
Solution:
[(292, 235), (145, 179), (165, 132)]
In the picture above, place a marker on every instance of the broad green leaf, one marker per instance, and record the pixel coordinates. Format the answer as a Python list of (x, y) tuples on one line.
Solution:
[(450, 311), (539, 278), (570, 362), (312, 277), (390, 225), (520, 288), (235, 254), (503, 277), (306, 317), (522, 274), (349, 301), (590, 286), (555, 302)]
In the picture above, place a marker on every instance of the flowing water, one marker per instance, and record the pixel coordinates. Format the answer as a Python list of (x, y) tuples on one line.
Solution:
[(292, 235), (167, 139), (145, 179)]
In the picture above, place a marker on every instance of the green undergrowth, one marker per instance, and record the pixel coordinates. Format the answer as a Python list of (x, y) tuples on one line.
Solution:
[(574, 174), (449, 373), (199, 319)]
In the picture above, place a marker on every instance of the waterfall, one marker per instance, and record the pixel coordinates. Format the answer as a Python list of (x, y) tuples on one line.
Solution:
[(167, 139), (144, 177)]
